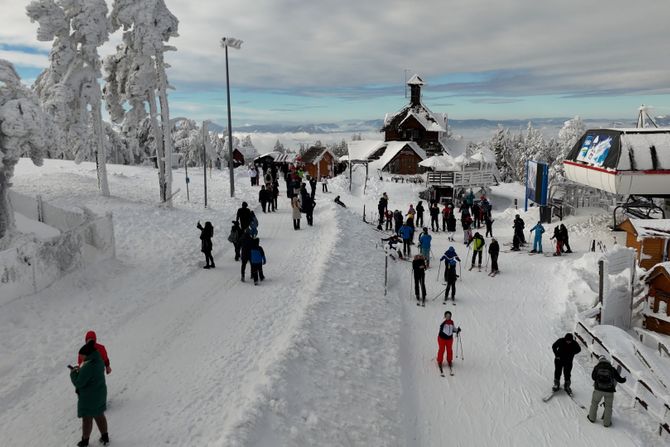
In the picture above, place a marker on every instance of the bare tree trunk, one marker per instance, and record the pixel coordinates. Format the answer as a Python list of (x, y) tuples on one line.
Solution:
[(158, 137), (165, 123), (6, 211)]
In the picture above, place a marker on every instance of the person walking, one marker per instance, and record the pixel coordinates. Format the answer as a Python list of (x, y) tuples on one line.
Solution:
[(234, 238), (253, 175), (478, 244), (308, 208), (406, 234), (564, 349), (257, 258), (91, 336), (295, 210), (451, 226), (434, 217), (488, 222), (565, 238), (537, 241), (246, 244), (445, 341), (275, 194), (450, 259), (419, 214), (324, 183), (419, 268), (446, 211), (397, 216), (425, 240), (263, 197), (494, 251), (206, 235), (312, 187), (89, 383), (605, 377), (243, 216)]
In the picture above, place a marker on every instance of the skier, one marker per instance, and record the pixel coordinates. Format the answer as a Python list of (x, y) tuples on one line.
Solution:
[(494, 250), (434, 217), (516, 242), (565, 350), (419, 268), (89, 383), (424, 245), (604, 377), (419, 213), (445, 340), (559, 241), (295, 206), (478, 244), (234, 238), (451, 226), (91, 336), (257, 258), (206, 235), (339, 202), (519, 225), (537, 241), (243, 216), (406, 234), (263, 197), (450, 258), (489, 224), (565, 239), (246, 244), (397, 216)]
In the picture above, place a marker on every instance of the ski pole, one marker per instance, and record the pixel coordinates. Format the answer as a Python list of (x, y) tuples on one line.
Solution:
[(438, 271)]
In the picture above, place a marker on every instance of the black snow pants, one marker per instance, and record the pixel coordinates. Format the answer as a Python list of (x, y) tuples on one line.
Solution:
[(494, 263), (420, 281), (566, 368), (451, 285)]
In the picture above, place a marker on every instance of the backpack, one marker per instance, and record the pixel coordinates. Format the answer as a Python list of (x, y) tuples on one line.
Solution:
[(604, 379)]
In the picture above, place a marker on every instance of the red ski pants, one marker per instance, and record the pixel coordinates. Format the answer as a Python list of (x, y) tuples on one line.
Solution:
[(445, 344)]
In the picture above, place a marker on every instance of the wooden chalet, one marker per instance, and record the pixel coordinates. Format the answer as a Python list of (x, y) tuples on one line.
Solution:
[(416, 123), (650, 238), (318, 162), (657, 313)]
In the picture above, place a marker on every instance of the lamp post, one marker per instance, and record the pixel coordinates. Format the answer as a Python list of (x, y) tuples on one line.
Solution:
[(232, 43)]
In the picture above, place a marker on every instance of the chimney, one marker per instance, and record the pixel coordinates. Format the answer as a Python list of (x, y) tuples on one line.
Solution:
[(415, 84)]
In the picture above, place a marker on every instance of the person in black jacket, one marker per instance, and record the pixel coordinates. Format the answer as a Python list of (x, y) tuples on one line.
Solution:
[(206, 235), (604, 377), (419, 214), (419, 269), (264, 197), (434, 216), (307, 205), (244, 216), (564, 238), (312, 186), (565, 350), (246, 244), (494, 250), (234, 237), (519, 225)]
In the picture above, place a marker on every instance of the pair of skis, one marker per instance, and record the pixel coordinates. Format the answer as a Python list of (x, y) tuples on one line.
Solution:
[(451, 371), (548, 397)]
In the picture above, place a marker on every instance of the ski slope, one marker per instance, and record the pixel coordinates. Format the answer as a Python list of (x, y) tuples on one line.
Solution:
[(316, 354)]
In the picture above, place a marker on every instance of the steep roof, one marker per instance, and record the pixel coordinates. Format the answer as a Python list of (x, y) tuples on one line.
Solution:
[(313, 154), (361, 150), (415, 80), (393, 148), (433, 122)]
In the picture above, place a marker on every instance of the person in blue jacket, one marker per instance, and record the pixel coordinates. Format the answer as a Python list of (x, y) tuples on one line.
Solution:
[(537, 242), (424, 245), (257, 261), (406, 234)]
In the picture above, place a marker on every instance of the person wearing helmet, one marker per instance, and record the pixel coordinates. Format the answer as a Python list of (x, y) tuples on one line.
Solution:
[(605, 377)]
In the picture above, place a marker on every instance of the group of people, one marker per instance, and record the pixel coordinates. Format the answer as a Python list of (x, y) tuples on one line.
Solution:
[(560, 237)]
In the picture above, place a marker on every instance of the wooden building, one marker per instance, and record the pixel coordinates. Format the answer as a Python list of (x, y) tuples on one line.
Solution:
[(318, 162), (399, 157), (657, 313), (417, 123), (650, 238)]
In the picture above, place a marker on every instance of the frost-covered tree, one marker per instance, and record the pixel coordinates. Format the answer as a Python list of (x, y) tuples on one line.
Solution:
[(21, 132), (69, 88), (136, 76), (279, 147), (571, 131), (501, 145)]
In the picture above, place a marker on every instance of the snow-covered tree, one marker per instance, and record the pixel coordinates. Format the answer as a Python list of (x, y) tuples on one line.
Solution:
[(69, 88), (136, 75), (571, 131), (279, 147), (21, 132)]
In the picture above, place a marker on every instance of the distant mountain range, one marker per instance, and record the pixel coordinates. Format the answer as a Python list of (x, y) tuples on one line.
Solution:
[(354, 126)]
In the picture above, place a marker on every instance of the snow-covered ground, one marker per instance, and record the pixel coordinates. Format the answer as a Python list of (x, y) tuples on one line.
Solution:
[(315, 355)]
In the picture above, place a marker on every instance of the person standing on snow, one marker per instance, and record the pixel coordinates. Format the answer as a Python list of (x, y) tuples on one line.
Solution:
[(206, 235), (446, 211), (451, 226), (381, 210), (494, 251), (91, 336), (263, 197), (397, 216), (537, 241), (425, 240), (295, 210), (476, 216), (312, 187), (419, 213), (604, 377), (445, 340), (559, 242), (519, 226), (234, 238), (91, 389), (419, 269), (466, 223), (406, 234), (450, 258), (565, 238), (478, 244), (489, 225), (434, 217), (324, 183), (565, 350), (257, 258), (389, 220)]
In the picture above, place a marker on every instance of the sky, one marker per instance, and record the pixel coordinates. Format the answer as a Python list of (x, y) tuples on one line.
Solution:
[(339, 60)]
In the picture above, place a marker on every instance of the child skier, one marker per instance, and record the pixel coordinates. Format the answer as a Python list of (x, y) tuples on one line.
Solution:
[(537, 242), (450, 258), (206, 235), (257, 262), (424, 245), (419, 270), (445, 341)]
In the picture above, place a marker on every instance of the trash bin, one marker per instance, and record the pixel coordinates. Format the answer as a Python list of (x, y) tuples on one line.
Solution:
[(545, 214)]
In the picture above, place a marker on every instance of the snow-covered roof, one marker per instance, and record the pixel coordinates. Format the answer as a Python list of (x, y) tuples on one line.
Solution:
[(392, 149), (415, 80), (361, 150), (426, 119), (659, 228), (637, 145), (661, 267), (441, 163)]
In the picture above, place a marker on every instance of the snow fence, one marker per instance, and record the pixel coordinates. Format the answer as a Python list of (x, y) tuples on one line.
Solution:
[(33, 264)]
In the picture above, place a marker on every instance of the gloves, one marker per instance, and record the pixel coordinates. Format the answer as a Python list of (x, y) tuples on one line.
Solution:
[(624, 380), (458, 330)]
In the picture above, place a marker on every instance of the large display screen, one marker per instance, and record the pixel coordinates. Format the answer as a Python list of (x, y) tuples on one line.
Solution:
[(595, 148)]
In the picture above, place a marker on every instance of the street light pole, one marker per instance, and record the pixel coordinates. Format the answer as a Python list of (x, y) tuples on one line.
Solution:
[(233, 43)]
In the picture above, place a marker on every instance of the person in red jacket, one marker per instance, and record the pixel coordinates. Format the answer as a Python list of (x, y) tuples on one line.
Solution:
[(90, 335), (445, 340)]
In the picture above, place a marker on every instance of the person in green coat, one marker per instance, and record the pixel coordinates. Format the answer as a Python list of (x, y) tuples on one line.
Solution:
[(89, 384)]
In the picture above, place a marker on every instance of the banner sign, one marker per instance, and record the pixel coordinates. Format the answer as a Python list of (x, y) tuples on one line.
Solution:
[(595, 148), (537, 182)]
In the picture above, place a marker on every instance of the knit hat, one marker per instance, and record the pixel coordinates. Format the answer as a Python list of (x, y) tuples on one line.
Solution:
[(88, 348)]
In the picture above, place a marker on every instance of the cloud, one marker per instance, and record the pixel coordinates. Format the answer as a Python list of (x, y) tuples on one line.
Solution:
[(495, 100)]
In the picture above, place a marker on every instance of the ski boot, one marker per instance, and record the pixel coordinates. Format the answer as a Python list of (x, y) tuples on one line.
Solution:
[(556, 387), (566, 387)]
